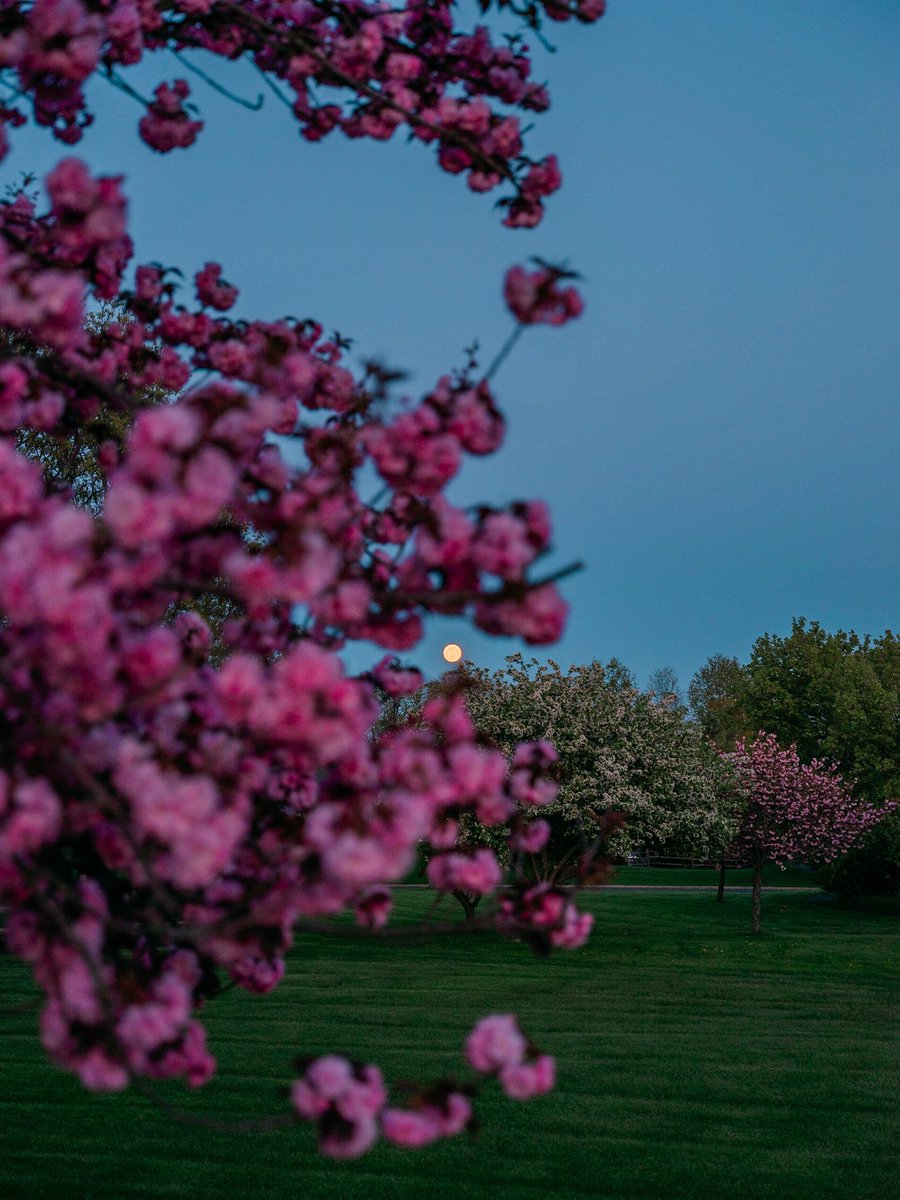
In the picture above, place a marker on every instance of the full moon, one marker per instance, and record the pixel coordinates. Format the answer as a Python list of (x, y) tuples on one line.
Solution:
[(452, 652)]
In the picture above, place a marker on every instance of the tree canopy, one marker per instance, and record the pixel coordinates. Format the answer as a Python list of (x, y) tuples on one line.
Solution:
[(836, 696), (620, 751)]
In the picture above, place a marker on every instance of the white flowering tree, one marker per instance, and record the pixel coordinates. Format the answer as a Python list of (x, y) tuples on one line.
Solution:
[(620, 752)]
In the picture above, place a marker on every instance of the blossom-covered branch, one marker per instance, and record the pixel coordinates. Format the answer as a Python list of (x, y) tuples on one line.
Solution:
[(366, 69), (177, 793)]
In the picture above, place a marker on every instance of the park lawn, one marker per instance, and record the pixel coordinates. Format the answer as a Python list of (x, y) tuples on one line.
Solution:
[(694, 1061), (709, 876)]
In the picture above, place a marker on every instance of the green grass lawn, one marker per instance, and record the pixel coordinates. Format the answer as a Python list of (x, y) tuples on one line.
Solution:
[(693, 1062)]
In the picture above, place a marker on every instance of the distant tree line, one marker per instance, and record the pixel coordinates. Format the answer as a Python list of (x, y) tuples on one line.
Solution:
[(790, 757)]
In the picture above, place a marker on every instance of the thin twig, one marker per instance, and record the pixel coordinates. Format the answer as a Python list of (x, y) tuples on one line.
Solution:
[(117, 81), (503, 353), (199, 1121), (399, 598), (254, 106), (273, 88)]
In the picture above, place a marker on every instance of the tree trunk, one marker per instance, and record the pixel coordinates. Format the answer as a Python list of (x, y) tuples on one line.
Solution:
[(756, 900), (720, 895), (469, 903)]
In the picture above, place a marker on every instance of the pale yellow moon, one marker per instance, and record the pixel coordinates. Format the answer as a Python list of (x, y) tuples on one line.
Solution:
[(452, 653)]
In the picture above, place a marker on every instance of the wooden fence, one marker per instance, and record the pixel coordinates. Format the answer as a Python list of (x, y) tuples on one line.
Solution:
[(647, 858)]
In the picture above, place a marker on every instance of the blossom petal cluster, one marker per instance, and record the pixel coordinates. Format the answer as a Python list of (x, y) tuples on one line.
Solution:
[(535, 297), (350, 1105), (497, 1046)]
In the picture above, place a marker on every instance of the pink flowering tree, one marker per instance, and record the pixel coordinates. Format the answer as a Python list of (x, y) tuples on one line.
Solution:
[(179, 795), (792, 811)]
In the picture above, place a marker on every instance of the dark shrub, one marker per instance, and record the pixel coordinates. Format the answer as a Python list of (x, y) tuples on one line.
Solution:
[(872, 868)]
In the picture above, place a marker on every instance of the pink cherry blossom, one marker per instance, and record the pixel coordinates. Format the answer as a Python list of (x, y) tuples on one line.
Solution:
[(477, 873), (410, 1129), (167, 124), (524, 1080), (534, 297), (531, 838), (495, 1043)]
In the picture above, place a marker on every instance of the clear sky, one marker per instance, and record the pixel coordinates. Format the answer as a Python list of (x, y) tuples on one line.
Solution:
[(718, 437)]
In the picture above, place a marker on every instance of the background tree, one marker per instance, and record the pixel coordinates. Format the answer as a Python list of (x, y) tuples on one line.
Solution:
[(619, 752), (70, 455), (872, 865), (836, 696), (793, 811), (717, 700), (664, 683)]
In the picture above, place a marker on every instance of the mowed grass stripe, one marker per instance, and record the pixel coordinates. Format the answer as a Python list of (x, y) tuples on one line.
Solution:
[(693, 1061)]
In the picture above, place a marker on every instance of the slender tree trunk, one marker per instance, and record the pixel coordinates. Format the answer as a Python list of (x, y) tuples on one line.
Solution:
[(720, 895), (469, 903), (756, 901)]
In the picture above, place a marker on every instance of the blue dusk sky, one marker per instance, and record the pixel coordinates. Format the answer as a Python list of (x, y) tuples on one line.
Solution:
[(718, 436)]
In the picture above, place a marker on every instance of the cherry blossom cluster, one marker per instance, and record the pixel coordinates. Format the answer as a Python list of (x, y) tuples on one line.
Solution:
[(794, 811), (228, 802), (497, 831), (535, 297), (187, 772), (350, 1106), (364, 68)]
